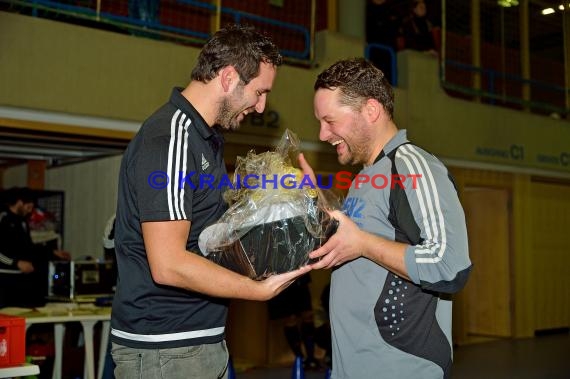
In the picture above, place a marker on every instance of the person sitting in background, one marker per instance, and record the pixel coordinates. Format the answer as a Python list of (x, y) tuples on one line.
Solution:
[(23, 265), (417, 29)]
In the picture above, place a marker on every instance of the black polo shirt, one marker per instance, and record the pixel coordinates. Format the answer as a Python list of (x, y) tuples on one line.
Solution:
[(161, 179)]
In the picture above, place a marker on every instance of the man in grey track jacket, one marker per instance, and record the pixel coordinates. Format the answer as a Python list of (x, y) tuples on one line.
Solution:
[(401, 247)]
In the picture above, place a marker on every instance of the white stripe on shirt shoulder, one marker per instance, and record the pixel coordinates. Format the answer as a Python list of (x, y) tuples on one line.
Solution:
[(427, 194)]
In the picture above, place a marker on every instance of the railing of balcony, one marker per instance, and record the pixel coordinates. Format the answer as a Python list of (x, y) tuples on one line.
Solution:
[(291, 24), (516, 57)]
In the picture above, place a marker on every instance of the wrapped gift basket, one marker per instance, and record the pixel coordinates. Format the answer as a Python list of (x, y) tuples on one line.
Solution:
[(277, 215)]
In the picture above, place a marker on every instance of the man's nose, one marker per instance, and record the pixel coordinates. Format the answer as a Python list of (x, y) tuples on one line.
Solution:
[(260, 105), (324, 133)]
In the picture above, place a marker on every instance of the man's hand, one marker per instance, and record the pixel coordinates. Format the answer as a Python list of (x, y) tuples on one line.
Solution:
[(25, 266), (274, 284), (307, 169), (63, 255), (343, 246), (350, 242)]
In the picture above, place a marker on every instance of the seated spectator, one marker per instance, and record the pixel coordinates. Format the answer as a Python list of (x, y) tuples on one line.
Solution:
[(417, 29)]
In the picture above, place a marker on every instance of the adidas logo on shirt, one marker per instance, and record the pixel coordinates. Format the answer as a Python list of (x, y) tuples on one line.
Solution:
[(205, 163)]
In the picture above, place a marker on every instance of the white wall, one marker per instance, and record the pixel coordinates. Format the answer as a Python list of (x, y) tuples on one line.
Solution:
[(90, 199)]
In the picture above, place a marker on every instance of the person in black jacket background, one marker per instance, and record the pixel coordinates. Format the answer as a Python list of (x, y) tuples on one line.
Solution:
[(23, 265), (417, 29)]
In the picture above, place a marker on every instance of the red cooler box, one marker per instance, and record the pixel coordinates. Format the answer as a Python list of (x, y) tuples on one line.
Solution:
[(12, 340)]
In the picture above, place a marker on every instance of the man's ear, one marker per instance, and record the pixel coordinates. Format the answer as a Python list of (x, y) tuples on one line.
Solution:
[(229, 78), (373, 110)]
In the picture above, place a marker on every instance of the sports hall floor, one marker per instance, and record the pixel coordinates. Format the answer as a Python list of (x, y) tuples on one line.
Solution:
[(543, 357)]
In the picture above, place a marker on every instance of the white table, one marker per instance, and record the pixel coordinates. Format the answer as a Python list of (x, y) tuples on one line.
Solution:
[(20, 370), (88, 317)]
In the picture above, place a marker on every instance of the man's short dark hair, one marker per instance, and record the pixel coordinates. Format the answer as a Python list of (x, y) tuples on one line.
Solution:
[(13, 195), (239, 46), (358, 80)]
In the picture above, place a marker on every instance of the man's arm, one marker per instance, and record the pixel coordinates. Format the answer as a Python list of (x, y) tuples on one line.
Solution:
[(440, 260), (61, 254), (8, 263), (351, 242), (171, 264), (11, 261)]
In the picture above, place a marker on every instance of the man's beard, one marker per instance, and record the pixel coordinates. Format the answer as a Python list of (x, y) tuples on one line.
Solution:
[(357, 156), (227, 113), (357, 149), (227, 117)]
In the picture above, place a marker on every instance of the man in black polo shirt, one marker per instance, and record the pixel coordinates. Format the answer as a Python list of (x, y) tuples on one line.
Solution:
[(170, 307)]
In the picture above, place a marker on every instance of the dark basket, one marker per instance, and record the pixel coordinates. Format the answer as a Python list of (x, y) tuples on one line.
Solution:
[(271, 248)]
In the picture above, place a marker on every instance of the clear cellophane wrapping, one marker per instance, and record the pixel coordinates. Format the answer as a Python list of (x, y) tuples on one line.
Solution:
[(277, 215)]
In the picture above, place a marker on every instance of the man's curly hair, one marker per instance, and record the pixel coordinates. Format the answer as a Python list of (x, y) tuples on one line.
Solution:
[(358, 80), (239, 46)]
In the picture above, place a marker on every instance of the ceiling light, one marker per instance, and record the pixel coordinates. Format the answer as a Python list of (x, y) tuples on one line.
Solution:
[(561, 7), (508, 3), (547, 11)]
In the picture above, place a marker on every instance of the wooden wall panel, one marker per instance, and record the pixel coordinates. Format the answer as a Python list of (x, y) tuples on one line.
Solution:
[(488, 291), (522, 263), (550, 226)]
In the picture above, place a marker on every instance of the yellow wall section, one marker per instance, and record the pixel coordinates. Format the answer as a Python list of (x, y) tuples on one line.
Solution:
[(60, 67)]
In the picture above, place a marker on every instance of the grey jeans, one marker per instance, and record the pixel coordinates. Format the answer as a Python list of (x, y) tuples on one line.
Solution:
[(192, 362)]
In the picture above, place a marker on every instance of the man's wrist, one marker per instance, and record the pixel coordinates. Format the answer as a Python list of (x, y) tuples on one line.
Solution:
[(364, 245)]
